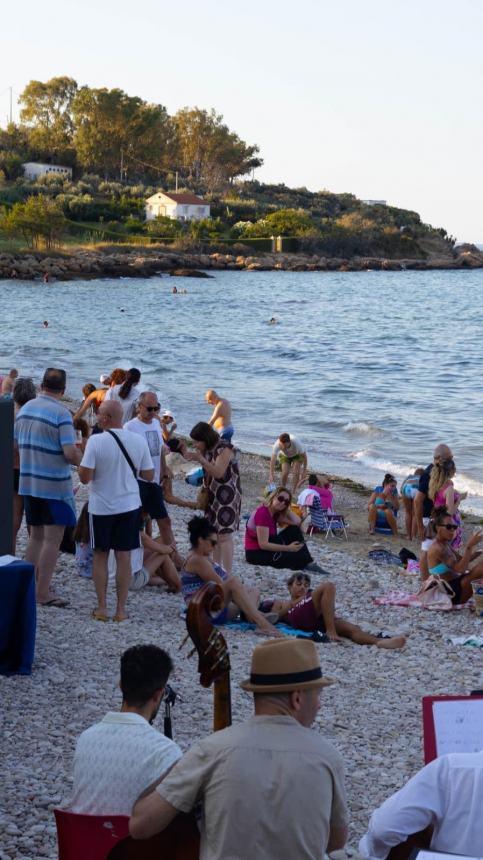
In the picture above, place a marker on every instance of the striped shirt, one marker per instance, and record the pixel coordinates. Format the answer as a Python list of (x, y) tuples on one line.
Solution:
[(42, 427)]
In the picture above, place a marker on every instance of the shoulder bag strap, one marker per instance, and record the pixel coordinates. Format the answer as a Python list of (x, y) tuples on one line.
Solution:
[(126, 455)]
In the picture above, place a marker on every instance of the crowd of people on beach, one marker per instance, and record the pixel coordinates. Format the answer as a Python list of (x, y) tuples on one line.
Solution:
[(119, 442)]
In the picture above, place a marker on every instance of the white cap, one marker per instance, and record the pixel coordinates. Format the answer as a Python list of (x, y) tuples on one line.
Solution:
[(168, 414), (103, 378)]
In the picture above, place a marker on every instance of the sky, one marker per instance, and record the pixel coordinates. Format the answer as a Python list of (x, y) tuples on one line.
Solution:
[(380, 99)]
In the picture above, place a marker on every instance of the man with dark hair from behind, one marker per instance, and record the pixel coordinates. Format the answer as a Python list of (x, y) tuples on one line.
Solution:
[(123, 757), (45, 439)]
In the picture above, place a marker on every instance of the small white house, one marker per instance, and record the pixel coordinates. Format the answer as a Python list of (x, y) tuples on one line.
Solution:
[(375, 202), (32, 170), (181, 207)]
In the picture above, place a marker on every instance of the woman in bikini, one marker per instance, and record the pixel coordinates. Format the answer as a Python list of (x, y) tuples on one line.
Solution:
[(199, 568), (449, 565)]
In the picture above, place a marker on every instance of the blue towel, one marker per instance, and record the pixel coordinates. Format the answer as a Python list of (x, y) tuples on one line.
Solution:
[(290, 631)]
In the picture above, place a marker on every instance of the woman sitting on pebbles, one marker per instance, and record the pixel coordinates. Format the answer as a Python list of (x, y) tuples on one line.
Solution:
[(313, 611), (384, 505), (266, 546), (449, 565), (199, 568)]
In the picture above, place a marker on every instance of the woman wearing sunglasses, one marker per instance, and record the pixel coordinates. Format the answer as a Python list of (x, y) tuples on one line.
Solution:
[(266, 545), (449, 565), (199, 568)]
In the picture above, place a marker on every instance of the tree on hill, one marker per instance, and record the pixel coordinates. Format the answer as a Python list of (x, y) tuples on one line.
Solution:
[(206, 152), (110, 125), (39, 220), (47, 112)]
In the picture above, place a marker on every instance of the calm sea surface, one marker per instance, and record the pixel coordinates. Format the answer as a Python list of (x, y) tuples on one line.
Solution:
[(370, 369)]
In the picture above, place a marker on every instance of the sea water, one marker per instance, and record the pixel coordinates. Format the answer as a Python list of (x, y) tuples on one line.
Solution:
[(370, 369)]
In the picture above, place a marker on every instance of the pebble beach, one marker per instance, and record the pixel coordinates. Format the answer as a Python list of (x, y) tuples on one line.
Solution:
[(372, 714)]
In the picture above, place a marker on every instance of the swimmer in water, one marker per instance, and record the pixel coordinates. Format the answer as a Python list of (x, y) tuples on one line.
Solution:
[(272, 321), (45, 323), (46, 278), (174, 291)]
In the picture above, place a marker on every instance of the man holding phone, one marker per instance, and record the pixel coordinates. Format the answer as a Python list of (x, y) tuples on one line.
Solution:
[(147, 424)]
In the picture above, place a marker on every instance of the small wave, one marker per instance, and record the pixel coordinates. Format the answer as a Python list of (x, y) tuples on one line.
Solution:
[(370, 458), (361, 427), (464, 484)]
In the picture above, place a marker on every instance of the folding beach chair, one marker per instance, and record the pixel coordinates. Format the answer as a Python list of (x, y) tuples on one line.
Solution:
[(322, 521), (88, 836)]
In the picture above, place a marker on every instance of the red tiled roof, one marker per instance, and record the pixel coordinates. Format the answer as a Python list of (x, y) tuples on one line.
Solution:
[(186, 198)]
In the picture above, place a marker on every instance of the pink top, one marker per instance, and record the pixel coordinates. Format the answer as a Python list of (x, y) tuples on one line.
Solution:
[(326, 496), (260, 517)]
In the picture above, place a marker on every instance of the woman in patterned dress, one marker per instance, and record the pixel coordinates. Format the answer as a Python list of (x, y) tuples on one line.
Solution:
[(222, 481)]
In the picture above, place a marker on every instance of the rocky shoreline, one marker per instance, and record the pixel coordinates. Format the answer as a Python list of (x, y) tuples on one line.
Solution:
[(148, 262)]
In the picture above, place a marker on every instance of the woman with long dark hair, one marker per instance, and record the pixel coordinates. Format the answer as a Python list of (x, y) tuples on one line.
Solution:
[(221, 479), (127, 393), (451, 566)]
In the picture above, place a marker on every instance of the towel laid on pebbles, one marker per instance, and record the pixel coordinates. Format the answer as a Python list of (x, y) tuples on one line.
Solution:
[(406, 598), (284, 628), (475, 641)]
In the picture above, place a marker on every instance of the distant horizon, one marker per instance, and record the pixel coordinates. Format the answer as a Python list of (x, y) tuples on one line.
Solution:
[(373, 99)]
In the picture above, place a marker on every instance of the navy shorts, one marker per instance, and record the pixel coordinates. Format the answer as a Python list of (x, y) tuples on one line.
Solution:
[(152, 501), (115, 531), (48, 512)]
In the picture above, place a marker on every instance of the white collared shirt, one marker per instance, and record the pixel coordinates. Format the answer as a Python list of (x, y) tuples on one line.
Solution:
[(116, 760), (448, 794)]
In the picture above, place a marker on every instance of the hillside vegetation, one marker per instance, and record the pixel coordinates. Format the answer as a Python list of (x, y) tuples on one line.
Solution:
[(123, 149)]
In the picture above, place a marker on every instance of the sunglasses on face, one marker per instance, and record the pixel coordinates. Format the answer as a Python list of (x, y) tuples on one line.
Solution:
[(283, 500), (213, 541), (152, 408), (451, 527)]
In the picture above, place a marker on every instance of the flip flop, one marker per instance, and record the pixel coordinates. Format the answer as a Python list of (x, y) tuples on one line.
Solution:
[(99, 616), (59, 602), (120, 618)]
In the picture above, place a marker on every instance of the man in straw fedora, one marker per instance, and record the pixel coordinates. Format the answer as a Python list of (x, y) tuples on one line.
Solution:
[(270, 786)]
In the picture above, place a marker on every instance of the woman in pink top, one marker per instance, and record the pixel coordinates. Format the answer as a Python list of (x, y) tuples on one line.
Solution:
[(321, 486), (264, 545), (443, 494)]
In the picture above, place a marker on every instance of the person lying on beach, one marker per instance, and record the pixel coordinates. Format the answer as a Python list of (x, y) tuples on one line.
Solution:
[(265, 545), (383, 505), (313, 610), (199, 568), (449, 565), (290, 453)]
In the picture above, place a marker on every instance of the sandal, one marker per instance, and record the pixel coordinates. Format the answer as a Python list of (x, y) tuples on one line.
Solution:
[(59, 602), (120, 618), (99, 616)]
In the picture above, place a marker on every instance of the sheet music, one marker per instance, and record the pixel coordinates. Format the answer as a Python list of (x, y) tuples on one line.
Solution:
[(458, 726)]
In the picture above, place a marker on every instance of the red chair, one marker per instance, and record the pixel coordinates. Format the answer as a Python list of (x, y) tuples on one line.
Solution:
[(88, 837)]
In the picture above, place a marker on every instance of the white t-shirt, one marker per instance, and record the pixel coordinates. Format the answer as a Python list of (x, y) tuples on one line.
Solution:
[(447, 794), (114, 489), (127, 404), (115, 761), (292, 450), (154, 437)]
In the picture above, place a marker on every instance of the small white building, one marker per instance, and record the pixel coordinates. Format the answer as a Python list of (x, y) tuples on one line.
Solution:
[(181, 207), (32, 170), (375, 202)]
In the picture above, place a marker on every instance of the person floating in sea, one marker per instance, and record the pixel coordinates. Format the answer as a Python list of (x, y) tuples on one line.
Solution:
[(45, 324), (174, 291), (221, 415)]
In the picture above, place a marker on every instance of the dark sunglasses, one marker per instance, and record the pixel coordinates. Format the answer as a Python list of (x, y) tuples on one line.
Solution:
[(451, 527), (283, 499), (152, 408), (213, 542)]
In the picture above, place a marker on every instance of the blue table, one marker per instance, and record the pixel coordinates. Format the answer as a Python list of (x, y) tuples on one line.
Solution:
[(18, 618)]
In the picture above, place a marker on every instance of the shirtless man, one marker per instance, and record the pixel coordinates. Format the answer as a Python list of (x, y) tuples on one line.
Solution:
[(9, 381), (221, 417), (314, 610)]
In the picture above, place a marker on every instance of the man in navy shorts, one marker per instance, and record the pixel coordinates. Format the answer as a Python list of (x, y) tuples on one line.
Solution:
[(45, 438), (111, 462)]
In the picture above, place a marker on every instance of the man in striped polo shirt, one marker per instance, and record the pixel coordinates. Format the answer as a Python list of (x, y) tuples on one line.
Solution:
[(45, 437)]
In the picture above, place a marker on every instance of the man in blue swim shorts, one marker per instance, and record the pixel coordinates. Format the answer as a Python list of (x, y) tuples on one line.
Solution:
[(45, 438), (221, 417)]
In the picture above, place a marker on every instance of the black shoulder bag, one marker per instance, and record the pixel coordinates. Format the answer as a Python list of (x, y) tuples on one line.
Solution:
[(142, 485)]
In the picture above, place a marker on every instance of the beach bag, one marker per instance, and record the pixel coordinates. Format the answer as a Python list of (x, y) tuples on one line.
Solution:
[(203, 498), (195, 477), (435, 593)]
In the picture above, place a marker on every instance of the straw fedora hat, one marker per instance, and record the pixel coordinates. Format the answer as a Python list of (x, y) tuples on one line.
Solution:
[(283, 665)]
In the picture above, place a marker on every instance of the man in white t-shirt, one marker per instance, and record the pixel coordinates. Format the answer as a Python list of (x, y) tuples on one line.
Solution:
[(446, 795), (290, 452), (123, 757), (147, 425), (114, 502)]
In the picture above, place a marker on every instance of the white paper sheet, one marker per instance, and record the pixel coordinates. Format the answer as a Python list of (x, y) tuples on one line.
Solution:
[(458, 726), (7, 559)]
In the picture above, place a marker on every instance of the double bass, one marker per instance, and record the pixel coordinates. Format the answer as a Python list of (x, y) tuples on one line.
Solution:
[(181, 839)]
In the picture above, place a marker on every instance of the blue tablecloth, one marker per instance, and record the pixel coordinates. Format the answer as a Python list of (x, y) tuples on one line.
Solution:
[(17, 618)]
